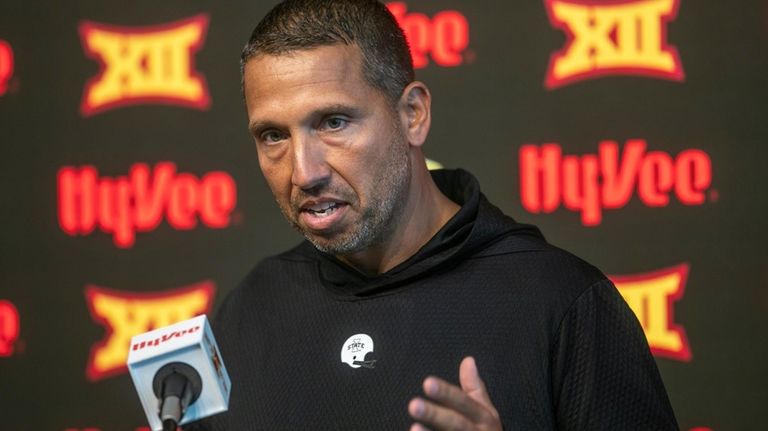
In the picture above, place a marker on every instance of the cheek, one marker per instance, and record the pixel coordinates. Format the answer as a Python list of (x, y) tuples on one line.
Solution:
[(278, 178), (363, 166), (356, 161)]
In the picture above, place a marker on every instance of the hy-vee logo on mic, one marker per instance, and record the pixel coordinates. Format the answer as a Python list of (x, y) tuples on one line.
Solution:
[(624, 37), (164, 338), (144, 65), (125, 314)]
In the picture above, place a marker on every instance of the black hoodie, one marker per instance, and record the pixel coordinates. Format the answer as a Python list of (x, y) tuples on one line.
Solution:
[(313, 344)]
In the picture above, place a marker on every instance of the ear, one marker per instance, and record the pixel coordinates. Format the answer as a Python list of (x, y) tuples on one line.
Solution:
[(415, 112)]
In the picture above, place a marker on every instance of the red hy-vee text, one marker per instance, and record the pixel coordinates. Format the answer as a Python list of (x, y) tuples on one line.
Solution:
[(443, 37), (137, 202), (9, 327), (590, 183), (6, 65), (159, 340)]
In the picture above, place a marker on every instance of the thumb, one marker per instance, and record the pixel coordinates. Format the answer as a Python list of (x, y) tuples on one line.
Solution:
[(471, 382)]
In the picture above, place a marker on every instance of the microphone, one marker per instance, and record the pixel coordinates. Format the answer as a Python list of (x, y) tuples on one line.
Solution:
[(179, 374)]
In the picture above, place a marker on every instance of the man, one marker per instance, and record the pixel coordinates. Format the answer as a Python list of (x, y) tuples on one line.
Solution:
[(405, 275)]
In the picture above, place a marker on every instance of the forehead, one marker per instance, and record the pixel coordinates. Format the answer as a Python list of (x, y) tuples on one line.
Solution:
[(301, 79)]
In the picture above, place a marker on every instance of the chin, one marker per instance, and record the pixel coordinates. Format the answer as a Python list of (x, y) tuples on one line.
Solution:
[(342, 246)]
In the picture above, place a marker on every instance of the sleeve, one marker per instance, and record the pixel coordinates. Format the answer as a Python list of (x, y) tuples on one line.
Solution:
[(603, 374)]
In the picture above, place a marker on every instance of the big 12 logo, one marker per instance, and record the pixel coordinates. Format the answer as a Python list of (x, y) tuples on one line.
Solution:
[(624, 37), (144, 65)]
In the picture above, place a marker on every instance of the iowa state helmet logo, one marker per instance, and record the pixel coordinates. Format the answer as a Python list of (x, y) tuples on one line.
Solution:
[(144, 65)]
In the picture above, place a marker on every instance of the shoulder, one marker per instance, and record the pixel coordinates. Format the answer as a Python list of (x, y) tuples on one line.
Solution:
[(530, 263)]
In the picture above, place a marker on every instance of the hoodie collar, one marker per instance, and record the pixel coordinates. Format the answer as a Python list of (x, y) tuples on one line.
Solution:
[(475, 225)]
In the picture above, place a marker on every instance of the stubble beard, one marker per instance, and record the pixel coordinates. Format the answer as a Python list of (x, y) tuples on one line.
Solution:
[(381, 216)]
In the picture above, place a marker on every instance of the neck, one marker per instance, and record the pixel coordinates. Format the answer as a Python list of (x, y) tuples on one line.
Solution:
[(426, 210)]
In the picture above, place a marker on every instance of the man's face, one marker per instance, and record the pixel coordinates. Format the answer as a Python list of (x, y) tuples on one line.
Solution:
[(330, 146)]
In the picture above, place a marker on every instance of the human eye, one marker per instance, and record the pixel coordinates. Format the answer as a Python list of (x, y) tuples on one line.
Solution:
[(271, 137), (334, 123)]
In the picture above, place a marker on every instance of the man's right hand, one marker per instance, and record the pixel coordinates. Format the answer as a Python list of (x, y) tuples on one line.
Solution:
[(451, 407)]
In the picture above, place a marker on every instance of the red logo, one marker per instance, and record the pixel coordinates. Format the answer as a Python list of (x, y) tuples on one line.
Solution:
[(9, 327), (620, 37), (652, 297), (593, 182), (144, 65), (126, 314), (166, 337), (125, 205), (443, 38), (6, 65)]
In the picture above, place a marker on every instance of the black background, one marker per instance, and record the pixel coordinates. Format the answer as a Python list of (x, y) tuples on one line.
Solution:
[(483, 111)]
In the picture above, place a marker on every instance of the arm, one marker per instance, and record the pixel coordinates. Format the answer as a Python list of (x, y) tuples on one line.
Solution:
[(603, 374)]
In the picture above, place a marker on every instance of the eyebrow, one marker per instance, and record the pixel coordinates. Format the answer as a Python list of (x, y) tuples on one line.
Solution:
[(340, 108), (336, 108), (257, 126)]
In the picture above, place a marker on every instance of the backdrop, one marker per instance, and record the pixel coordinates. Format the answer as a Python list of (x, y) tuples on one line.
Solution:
[(632, 132)]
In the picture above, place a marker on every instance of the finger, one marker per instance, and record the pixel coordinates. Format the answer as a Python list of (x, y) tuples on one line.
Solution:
[(418, 427), (471, 383), (437, 417), (452, 397)]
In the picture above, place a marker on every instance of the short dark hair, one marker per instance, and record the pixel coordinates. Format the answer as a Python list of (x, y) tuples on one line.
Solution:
[(305, 24)]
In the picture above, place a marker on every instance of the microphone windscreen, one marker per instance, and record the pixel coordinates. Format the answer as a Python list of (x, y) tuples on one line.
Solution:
[(190, 342)]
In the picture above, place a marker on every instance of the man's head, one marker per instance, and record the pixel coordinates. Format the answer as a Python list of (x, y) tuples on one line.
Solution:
[(296, 25), (338, 135)]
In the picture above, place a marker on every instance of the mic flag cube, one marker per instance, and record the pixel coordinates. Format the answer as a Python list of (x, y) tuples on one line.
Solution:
[(190, 342)]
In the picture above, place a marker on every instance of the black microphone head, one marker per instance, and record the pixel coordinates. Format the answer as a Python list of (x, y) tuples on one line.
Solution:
[(192, 376)]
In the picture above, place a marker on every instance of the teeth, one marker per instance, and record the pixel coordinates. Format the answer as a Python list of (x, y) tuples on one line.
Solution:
[(322, 207), (324, 213), (323, 210)]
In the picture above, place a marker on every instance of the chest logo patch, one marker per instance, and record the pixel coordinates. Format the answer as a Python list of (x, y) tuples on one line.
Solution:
[(355, 349)]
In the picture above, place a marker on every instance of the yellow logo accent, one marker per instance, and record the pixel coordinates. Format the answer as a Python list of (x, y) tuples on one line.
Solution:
[(143, 65), (128, 314), (652, 296), (432, 164), (619, 38)]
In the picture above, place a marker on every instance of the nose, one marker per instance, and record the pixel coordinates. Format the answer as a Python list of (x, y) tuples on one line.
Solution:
[(310, 168)]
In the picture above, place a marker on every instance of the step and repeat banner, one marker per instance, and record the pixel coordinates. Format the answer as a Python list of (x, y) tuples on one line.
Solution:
[(633, 132)]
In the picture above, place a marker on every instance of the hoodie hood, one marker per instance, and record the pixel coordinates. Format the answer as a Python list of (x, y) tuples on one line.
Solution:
[(475, 226)]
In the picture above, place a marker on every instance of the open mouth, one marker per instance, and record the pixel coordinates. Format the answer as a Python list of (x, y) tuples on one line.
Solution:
[(323, 209)]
